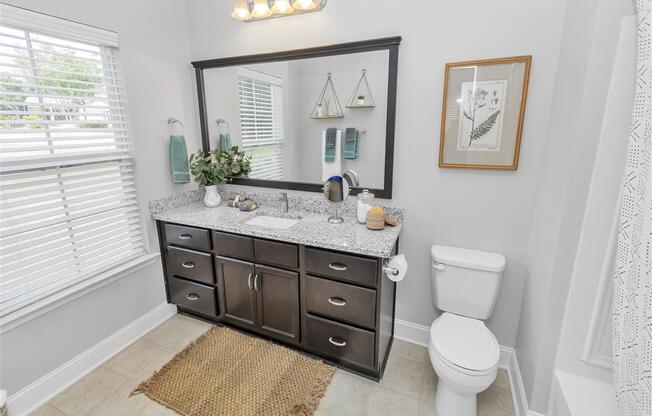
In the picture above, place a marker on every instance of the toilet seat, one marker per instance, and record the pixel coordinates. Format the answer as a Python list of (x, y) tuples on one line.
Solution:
[(464, 344)]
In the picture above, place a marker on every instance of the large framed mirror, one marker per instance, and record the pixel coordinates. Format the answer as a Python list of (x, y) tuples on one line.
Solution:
[(305, 115)]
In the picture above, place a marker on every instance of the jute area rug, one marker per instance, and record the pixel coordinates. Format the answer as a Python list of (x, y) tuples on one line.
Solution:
[(225, 372)]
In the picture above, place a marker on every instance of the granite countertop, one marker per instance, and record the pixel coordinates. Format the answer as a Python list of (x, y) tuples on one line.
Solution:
[(311, 230)]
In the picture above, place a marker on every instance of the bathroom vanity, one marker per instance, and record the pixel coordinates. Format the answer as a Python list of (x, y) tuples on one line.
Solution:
[(295, 279), (314, 286)]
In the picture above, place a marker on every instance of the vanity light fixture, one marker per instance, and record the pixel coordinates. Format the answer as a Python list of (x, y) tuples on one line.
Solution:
[(252, 10)]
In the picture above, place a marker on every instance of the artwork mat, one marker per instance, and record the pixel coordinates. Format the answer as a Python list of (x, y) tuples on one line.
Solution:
[(525, 61), (462, 134)]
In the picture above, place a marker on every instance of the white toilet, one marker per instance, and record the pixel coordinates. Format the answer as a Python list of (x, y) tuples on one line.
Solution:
[(463, 351)]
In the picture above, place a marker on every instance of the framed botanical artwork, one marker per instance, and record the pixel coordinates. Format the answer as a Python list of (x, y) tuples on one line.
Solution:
[(483, 112)]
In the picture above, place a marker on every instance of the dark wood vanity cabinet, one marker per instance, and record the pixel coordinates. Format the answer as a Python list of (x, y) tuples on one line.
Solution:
[(259, 297), (335, 305)]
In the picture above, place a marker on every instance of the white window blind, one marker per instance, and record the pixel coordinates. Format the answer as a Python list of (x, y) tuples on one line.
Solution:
[(261, 123), (68, 208)]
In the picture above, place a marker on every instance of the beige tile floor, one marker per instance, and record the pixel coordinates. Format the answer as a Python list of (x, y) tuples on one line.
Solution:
[(408, 387)]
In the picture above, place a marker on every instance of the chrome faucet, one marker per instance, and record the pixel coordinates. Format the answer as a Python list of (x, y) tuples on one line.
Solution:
[(351, 177), (284, 203)]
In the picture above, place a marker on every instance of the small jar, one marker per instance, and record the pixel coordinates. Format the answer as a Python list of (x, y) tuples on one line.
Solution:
[(365, 202)]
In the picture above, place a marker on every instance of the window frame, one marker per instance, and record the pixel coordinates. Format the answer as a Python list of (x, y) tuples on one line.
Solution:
[(37, 23), (274, 82)]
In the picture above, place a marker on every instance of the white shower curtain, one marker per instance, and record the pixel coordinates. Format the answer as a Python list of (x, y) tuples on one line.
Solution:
[(632, 299)]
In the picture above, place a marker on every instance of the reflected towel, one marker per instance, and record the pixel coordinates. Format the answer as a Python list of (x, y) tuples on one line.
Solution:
[(179, 159), (225, 141), (350, 148), (330, 145), (334, 167)]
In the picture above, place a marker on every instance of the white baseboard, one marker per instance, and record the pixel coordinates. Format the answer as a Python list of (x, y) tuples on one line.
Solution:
[(38, 393), (420, 335)]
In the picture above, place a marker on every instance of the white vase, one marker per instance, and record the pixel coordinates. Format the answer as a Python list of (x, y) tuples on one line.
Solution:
[(211, 197)]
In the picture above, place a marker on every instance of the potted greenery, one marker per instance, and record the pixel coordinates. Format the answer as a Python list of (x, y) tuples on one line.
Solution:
[(361, 100), (216, 168), (209, 173)]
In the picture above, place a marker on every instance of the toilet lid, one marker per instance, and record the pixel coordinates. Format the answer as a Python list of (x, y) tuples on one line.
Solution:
[(465, 342)]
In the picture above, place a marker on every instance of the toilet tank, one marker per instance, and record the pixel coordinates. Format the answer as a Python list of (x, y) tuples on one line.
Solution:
[(466, 282)]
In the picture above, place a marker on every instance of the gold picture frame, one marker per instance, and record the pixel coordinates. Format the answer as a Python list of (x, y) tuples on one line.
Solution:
[(493, 94)]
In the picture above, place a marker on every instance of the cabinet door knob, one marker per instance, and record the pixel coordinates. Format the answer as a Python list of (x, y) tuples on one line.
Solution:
[(338, 266), (185, 236), (336, 301), (337, 342), (256, 288), (249, 280), (192, 297), (188, 265)]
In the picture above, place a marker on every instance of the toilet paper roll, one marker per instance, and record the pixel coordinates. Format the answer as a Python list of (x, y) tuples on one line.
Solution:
[(398, 263)]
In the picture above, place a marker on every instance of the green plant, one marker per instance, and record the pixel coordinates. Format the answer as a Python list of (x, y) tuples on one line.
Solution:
[(217, 167), (235, 162), (360, 97), (206, 169)]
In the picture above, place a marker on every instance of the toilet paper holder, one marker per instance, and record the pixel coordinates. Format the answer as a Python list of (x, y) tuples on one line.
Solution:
[(390, 270)]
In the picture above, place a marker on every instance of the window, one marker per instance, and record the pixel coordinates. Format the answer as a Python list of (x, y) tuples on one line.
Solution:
[(68, 206), (261, 121)]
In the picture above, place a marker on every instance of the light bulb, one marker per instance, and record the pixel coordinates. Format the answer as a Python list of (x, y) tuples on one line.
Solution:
[(241, 10), (261, 9), (282, 7), (304, 4)]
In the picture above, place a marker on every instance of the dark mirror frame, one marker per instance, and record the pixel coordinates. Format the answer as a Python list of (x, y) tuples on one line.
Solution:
[(390, 44)]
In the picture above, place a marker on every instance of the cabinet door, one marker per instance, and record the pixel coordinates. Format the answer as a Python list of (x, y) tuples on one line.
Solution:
[(278, 303), (236, 292)]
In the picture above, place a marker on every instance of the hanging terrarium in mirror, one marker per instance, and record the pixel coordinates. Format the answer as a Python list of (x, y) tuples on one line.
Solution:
[(328, 104), (362, 96)]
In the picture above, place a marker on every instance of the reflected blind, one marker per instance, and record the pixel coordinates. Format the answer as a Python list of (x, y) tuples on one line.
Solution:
[(261, 123), (68, 207)]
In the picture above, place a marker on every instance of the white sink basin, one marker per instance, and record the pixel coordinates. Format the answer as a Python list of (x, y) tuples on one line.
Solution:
[(272, 222)]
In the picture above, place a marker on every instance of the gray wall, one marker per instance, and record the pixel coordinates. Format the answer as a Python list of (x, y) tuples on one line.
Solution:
[(471, 208), (154, 52)]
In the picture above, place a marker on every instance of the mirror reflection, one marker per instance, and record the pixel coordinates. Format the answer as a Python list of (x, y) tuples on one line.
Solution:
[(304, 120)]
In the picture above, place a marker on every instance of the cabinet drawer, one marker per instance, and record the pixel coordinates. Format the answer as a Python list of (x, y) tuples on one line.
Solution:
[(188, 237), (352, 304), (340, 342), (341, 266), (193, 296), (190, 264), (276, 254), (231, 245)]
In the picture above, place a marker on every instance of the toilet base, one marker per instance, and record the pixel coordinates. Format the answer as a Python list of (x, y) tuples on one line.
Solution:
[(450, 402)]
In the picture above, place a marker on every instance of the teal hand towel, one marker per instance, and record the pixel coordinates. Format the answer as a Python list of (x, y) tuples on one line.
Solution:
[(350, 148), (225, 141), (179, 159), (330, 145)]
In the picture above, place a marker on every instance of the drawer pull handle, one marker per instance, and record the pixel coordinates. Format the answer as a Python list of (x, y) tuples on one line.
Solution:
[(249, 281), (334, 341), (185, 236), (338, 266), (192, 297), (188, 265), (336, 301)]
